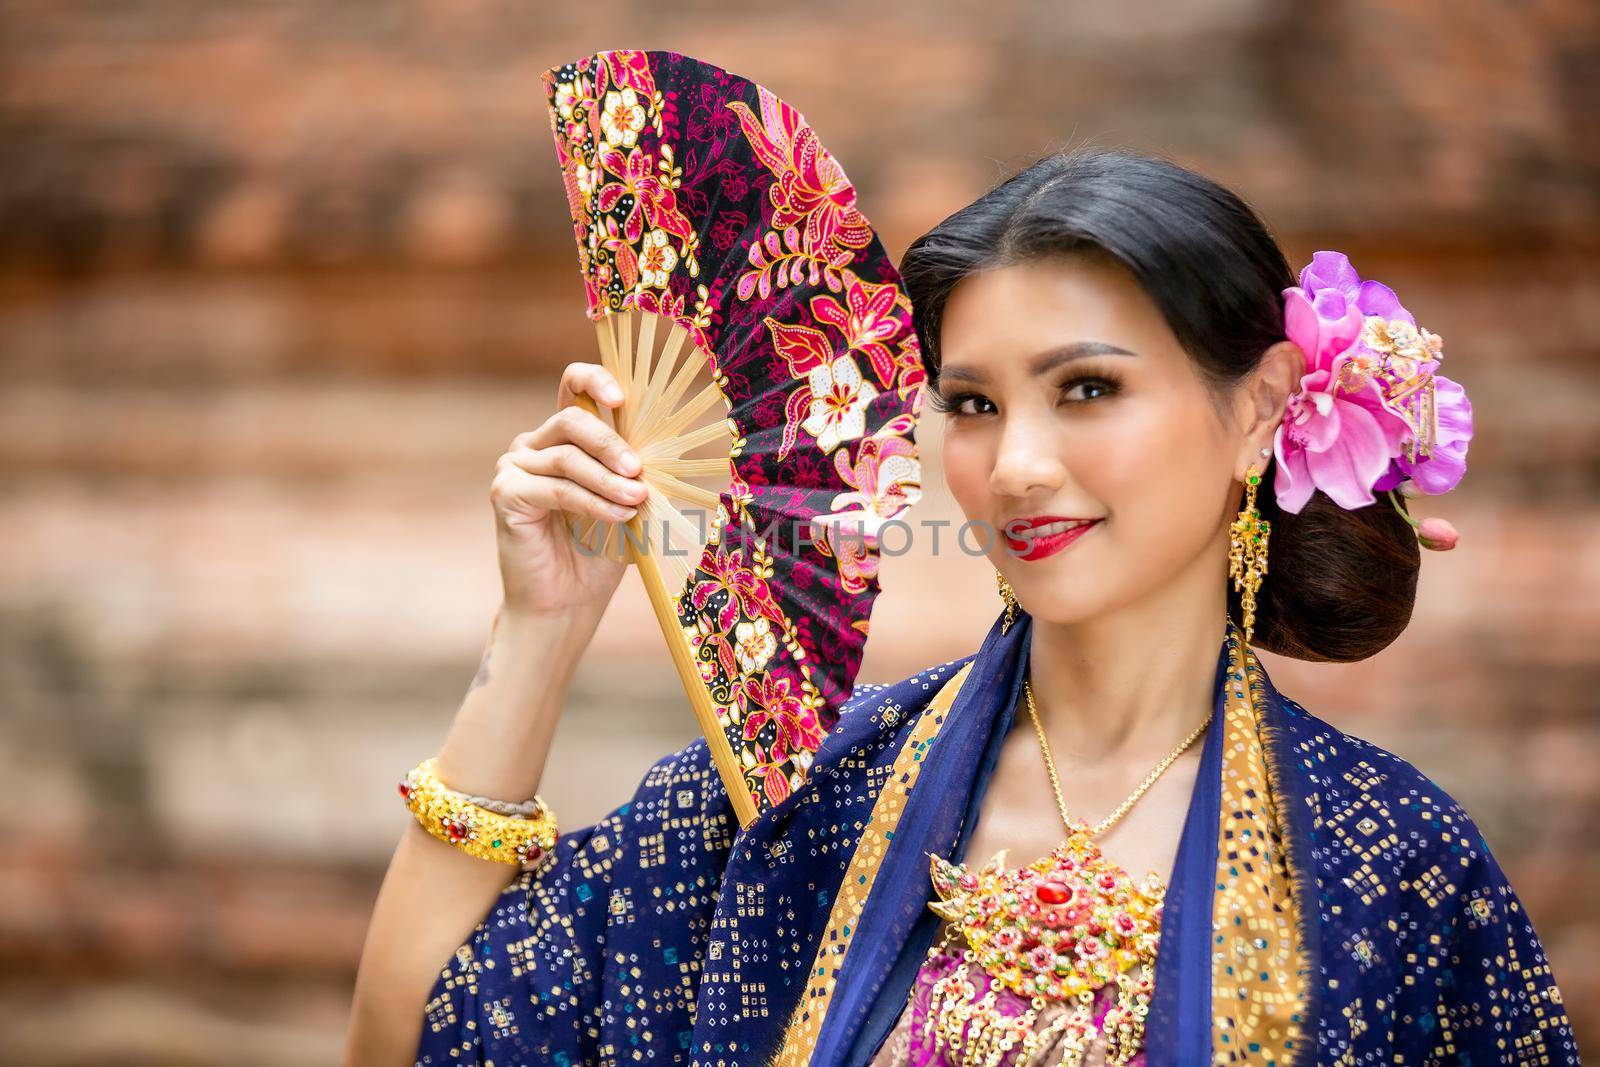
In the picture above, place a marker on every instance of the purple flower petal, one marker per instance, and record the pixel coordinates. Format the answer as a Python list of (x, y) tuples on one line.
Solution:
[(1375, 298), (1329, 304), (1331, 270), (1455, 410), (1391, 477)]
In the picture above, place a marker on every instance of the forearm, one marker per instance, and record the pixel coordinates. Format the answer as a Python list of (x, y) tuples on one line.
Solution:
[(433, 894), (500, 738)]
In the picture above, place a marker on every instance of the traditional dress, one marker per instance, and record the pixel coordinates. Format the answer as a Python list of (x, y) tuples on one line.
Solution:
[(1328, 904)]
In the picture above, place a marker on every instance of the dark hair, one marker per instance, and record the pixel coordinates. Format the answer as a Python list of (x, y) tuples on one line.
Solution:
[(1340, 584)]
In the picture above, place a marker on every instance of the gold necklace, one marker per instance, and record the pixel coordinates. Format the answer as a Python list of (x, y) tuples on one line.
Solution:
[(1122, 809), (1060, 929)]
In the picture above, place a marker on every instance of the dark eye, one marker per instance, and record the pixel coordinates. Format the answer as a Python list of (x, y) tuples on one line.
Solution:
[(1105, 386), (955, 404)]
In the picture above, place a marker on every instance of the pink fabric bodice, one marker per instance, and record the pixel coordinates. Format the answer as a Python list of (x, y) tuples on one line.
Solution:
[(906, 1047)]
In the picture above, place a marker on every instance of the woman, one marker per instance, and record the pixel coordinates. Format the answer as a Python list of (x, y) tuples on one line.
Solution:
[(1121, 352)]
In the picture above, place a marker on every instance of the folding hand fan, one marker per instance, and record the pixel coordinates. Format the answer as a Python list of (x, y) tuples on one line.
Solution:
[(771, 375)]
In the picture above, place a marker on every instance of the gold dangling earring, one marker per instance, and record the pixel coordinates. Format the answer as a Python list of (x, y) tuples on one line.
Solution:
[(1010, 597), (1247, 549)]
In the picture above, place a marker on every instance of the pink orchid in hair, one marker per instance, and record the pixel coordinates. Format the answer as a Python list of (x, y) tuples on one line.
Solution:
[(1341, 442), (1371, 414)]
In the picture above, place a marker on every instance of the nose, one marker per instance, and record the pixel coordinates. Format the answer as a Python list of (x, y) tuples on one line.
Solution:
[(1027, 464)]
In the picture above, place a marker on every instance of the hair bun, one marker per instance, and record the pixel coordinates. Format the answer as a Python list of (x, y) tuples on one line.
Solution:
[(1340, 583)]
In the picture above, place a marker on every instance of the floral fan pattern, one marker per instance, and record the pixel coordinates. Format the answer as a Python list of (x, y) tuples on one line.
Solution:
[(699, 196)]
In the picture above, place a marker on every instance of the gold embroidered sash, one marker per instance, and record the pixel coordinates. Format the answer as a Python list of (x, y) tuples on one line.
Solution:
[(801, 1036), (1260, 971)]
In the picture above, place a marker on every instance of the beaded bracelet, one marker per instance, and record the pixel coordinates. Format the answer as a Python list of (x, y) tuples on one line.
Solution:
[(523, 834)]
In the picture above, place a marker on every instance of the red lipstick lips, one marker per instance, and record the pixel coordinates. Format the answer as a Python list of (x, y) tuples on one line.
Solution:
[(1032, 545)]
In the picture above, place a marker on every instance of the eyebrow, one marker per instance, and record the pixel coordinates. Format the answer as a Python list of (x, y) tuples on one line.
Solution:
[(1044, 361)]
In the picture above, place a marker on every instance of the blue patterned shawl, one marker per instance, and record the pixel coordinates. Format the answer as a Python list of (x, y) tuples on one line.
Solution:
[(1329, 904)]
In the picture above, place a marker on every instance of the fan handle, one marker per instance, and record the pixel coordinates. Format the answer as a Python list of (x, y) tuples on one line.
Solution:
[(705, 710)]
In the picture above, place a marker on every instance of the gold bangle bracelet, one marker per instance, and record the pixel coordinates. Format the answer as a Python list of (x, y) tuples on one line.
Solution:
[(454, 818)]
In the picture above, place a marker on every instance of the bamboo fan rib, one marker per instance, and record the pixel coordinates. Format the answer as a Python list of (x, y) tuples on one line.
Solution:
[(664, 430), (662, 539)]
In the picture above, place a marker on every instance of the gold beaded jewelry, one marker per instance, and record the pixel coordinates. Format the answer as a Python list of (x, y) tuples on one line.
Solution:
[(473, 825), (1010, 597), (1122, 809), (1247, 549)]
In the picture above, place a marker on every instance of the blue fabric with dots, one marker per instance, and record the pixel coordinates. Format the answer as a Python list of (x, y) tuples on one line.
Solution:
[(663, 935)]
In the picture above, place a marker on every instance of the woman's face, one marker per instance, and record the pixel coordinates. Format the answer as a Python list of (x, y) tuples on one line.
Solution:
[(1073, 399)]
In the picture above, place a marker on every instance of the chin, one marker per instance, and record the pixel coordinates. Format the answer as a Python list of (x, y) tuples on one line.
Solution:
[(1059, 599)]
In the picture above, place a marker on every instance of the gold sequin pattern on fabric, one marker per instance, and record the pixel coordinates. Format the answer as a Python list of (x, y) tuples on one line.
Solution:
[(1260, 969), (801, 1036)]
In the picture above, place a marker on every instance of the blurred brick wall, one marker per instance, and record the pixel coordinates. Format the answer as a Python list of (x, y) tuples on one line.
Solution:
[(278, 282)]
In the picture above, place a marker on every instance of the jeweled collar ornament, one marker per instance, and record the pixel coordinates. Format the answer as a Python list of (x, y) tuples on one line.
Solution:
[(1060, 929)]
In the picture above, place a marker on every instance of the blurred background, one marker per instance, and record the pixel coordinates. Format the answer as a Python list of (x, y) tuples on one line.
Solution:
[(280, 280)]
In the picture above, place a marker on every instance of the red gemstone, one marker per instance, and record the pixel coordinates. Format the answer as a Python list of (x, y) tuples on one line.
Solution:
[(1052, 893), (405, 790), (457, 831)]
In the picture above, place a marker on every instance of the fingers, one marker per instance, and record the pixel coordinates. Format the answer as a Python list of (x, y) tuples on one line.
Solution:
[(575, 465), (573, 462), (574, 425), (590, 378), (515, 489)]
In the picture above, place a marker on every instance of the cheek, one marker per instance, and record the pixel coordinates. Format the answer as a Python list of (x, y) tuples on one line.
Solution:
[(1121, 458), (1157, 469), (968, 460)]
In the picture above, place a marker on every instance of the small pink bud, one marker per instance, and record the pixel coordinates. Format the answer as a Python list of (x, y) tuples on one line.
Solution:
[(1437, 534)]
